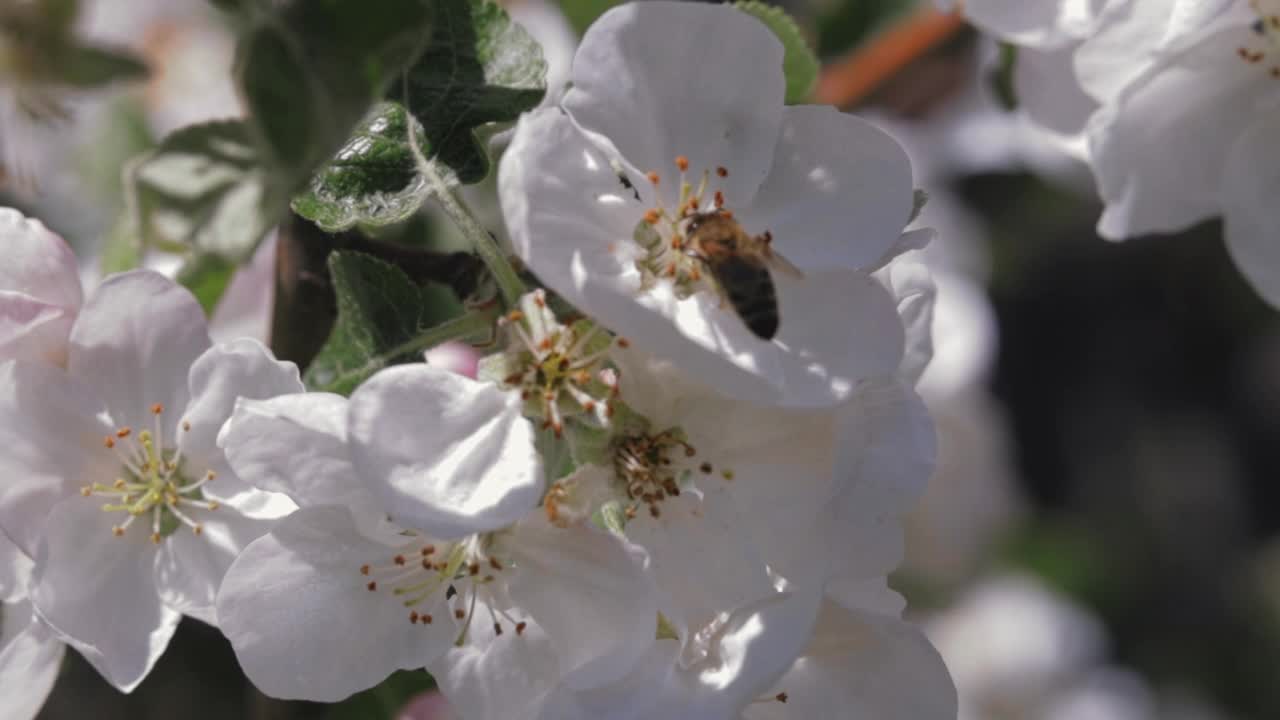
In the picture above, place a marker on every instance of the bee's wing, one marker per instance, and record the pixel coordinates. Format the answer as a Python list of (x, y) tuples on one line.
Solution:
[(776, 261)]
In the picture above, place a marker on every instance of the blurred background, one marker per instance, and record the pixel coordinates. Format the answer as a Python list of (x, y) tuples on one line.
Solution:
[(1100, 541)]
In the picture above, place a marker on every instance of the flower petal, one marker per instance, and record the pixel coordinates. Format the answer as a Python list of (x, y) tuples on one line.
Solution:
[(590, 592), (661, 79), (189, 568), (445, 453), (838, 194), (32, 329), (911, 283), (1249, 189), (30, 656), (15, 572), (691, 536), (242, 368), (134, 344), (505, 677), (1035, 23), (867, 666), (82, 569), (245, 307), (296, 445), (572, 222), (52, 438), (37, 262), (1159, 150), (302, 621)]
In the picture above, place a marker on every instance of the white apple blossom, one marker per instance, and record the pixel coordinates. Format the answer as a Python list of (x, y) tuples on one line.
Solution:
[(1191, 138), (30, 654), (419, 534), (40, 293), (115, 486), (666, 117)]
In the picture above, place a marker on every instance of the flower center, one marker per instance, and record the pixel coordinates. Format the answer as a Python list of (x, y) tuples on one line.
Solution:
[(153, 482), (1267, 29), (663, 233), (559, 369), (654, 467), (462, 571)]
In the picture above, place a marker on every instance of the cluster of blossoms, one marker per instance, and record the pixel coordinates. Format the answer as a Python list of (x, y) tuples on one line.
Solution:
[(1175, 100), (681, 505)]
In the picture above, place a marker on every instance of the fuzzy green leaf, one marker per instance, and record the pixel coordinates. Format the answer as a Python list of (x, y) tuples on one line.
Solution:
[(479, 68), (207, 277), (373, 181), (381, 313), (799, 64), (387, 699), (204, 189)]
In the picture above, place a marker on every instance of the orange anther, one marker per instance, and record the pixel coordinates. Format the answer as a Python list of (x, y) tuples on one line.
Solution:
[(372, 586), (109, 442), (722, 172), (682, 162), (157, 409), (652, 217), (653, 177), (124, 432)]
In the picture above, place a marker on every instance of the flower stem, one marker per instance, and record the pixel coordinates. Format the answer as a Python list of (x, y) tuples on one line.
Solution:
[(486, 245)]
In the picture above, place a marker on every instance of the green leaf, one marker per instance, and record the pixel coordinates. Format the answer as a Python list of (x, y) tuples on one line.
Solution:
[(479, 68), (385, 700), (799, 64), (87, 66), (1001, 78), (121, 251), (204, 189), (372, 182), (310, 71), (383, 318), (207, 277)]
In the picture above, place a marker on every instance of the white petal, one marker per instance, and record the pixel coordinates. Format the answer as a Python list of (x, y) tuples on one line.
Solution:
[(445, 453), (661, 79), (863, 665), (30, 656), (32, 329), (245, 307), (15, 571), (97, 590), (189, 568), (53, 444), (748, 654), (302, 621), (1035, 23), (910, 282), (838, 194), (38, 262), (572, 222), (242, 368), (1252, 217), (506, 677), (296, 445), (134, 343), (1160, 149), (634, 697), (591, 593), (702, 557), (1047, 90)]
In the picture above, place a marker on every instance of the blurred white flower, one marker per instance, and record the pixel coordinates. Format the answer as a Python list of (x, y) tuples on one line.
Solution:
[(419, 543), (40, 293), (117, 489), (658, 128)]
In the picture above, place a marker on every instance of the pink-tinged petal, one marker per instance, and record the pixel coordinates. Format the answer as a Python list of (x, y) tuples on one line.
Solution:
[(661, 79), (838, 194), (242, 368), (97, 592), (445, 453), (189, 568), (303, 621), (30, 656), (134, 343), (590, 591), (867, 666), (295, 445), (31, 329), (1250, 211), (52, 435), (456, 357), (38, 263)]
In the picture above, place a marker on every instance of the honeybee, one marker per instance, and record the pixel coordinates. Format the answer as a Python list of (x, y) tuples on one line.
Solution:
[(740, 264)]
